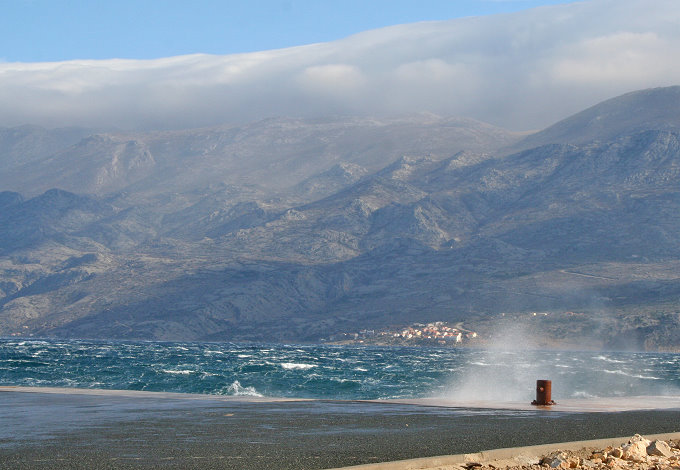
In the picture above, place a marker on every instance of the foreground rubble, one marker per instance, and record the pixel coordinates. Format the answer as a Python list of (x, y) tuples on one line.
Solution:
[(638, 454)]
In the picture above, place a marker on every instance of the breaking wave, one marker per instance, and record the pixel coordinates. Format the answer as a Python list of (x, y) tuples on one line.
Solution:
[(293, 366), (238, 390)]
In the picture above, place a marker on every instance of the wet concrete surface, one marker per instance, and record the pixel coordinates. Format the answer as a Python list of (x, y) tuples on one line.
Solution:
[(102, 431), (587, 405)]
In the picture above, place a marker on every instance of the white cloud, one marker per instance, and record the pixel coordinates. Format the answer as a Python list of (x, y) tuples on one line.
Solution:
[(629, 57), (433, 71), (521, 70), (332, 79)]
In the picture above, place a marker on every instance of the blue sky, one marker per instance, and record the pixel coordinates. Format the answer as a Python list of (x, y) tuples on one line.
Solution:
[(57, 30)]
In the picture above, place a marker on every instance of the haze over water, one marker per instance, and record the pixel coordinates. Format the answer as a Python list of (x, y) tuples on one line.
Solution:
[(332, 372)]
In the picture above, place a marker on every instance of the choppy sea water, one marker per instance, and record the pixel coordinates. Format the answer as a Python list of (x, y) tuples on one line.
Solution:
[(334, 372)]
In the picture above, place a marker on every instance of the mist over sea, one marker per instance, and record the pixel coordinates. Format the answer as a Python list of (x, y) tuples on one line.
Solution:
[(334, 372)]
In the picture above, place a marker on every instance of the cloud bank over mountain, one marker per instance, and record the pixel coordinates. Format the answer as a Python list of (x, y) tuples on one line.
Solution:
[(522, 71)]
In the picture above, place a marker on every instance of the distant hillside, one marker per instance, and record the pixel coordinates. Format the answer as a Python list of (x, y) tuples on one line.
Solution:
[(24, 144), (652, 109), (368, 225), (273, 154)]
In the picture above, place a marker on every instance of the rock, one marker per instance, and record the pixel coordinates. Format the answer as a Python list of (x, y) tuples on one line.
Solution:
[(638, 454), (635, 451), (556, 461), (574, 462), (613, 462), (639, 438), (660, 448), (618, 453)]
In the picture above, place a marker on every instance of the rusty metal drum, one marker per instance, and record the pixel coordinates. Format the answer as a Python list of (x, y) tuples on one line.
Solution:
[(543, 393)]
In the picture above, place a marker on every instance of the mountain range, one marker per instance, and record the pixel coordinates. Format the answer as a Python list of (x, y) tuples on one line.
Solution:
[(296, 230)]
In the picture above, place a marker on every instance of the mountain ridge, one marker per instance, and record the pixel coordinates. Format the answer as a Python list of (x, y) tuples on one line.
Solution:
[(277, 153), (585, 231), (650, 109)]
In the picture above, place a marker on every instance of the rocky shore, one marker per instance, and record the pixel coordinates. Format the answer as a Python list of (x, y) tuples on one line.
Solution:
[(637, 454)]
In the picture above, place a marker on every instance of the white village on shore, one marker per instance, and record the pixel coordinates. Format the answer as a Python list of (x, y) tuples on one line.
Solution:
[(439, 332)]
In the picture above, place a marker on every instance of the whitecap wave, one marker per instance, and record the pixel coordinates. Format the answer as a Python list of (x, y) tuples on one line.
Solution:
[(238, 390), (178, 372), (297, 366), (609, 359), (635, 376), (342, 381)]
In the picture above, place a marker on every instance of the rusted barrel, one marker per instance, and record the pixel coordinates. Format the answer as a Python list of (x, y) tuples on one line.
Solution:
[(543, 393)]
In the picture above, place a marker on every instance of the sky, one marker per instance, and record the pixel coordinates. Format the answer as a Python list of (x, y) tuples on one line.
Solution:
[(57, 30), (521, 65)]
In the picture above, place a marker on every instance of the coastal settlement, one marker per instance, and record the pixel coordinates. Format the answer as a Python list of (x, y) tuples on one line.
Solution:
[(418, 334)]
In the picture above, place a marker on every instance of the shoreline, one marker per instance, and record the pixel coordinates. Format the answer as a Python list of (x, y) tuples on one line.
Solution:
[(103, 392), (568, 405)]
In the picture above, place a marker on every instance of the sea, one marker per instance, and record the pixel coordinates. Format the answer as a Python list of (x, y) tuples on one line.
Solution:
[(334, 372)]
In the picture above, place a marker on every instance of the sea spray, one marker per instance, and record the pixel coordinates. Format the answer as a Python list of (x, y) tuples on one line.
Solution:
[(503, 372), (507, 371)]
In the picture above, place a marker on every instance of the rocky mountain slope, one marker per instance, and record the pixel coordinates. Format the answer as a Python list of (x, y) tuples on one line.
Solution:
[(324, 227), (652, 109), (273, 154)]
